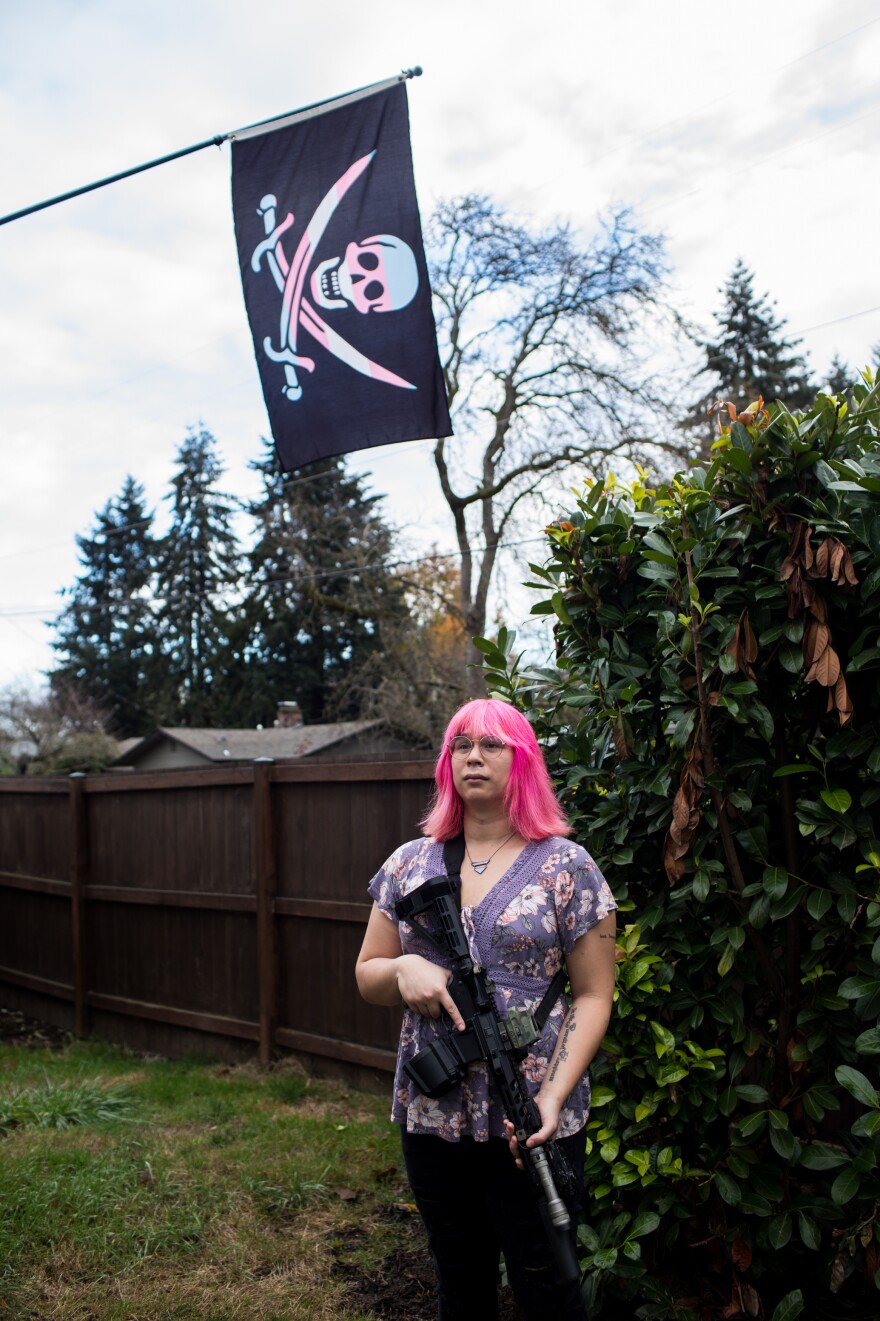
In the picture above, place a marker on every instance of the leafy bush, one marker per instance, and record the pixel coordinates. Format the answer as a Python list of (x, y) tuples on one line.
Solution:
[(714, 727)]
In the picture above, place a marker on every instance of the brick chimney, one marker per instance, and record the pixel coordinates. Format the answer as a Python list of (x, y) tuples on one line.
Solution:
[(289, 715)]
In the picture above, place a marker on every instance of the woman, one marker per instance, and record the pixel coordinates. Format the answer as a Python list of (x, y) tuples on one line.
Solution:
[(530, 900)]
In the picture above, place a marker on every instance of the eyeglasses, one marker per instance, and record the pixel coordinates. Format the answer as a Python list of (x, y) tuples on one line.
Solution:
[(461, 746)]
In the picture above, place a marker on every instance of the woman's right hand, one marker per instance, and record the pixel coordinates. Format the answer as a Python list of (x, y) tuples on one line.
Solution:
[(424, 988)]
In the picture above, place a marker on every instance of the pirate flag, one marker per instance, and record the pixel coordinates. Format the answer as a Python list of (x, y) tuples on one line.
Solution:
[(335, 281)]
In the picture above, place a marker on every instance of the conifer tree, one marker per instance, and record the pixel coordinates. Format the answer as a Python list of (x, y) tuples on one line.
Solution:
[(197, 581), (750, 355), (106, 635), (319, 587), (840, 377)]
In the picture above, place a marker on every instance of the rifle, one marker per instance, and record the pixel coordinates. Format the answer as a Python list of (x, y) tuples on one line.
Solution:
[(500, 1042)]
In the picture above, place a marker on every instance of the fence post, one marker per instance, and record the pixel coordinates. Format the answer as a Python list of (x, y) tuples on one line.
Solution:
[(79, 866), (264, 884)]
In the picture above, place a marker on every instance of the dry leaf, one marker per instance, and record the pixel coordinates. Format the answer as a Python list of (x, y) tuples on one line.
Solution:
[(842, 699), (751, 1301), (838, 1272), (686, 815), (816, 638), (872, 1262), (741, 1254), (826, 670), (681, 809), (618, 733), (346, 1194), (751, 642)]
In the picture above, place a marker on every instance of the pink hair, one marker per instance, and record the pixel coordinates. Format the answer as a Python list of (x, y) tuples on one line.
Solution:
[(529, 798)]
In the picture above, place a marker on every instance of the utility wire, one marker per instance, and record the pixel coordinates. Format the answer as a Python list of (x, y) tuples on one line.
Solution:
[(277, 121), (736, 90), (100, 537), (122, 529), (757, 161), (278, 580), (310, 477)]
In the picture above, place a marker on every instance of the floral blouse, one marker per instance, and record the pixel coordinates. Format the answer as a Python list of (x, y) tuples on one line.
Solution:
[(520, 932)]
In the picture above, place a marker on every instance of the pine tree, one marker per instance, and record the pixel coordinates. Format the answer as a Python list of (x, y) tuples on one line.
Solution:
[(196, 584), (319, 587), (750, 356), (106, 635), (840, 377)]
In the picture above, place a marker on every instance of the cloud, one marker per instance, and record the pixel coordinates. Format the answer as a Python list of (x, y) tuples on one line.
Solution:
[(122, 319)]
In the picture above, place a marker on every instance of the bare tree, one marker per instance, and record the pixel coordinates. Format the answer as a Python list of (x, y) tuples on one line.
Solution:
[(418, 674), (54, 732), (539, 339)]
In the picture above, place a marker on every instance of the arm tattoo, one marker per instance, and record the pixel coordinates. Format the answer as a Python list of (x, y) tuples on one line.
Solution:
[(570, 1028)]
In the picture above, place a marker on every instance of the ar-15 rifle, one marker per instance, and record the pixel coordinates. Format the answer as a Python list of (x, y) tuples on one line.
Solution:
[(501, 1042)]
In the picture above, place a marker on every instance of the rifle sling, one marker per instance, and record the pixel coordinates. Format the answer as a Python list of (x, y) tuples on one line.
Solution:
[(453, 857)]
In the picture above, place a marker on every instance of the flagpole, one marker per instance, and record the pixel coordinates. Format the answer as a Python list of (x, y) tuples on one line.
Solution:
[(239, 134)]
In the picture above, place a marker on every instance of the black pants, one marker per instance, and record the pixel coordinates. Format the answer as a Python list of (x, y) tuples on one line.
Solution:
[(476, 1204)]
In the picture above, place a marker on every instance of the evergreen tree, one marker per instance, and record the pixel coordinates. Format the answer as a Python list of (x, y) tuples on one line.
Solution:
[(750, 355), (840, 377), (197, 576), (319, 588), (106, 636)]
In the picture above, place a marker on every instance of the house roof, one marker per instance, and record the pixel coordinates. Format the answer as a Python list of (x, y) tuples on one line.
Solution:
[(221, 745), (125, 745)]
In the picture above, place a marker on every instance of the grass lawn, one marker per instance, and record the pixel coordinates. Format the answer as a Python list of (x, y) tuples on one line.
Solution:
[(146, 1190)]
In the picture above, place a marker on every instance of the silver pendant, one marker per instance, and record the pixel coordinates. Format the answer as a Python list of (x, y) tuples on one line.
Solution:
[(480, 867)]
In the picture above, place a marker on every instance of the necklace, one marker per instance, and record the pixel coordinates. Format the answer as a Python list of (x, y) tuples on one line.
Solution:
[(480, 867)]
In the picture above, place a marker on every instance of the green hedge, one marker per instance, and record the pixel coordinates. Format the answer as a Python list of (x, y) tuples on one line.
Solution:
[(714, 727)]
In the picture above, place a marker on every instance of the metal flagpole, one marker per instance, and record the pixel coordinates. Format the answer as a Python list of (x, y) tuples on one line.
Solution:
[(238, 134)]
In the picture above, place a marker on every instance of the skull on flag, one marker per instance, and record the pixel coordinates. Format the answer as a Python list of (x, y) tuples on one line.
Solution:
[(379, 274)]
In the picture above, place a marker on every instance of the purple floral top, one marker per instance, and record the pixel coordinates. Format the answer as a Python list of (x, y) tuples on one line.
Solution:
[(520, 932)]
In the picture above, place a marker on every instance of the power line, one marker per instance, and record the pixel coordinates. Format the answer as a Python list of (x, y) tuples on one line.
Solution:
[(349, 570), (853, 316), (101, 536), (756, 161), (736, 90)]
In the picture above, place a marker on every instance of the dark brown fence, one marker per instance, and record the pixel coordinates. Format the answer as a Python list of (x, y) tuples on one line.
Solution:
[(212, 911)]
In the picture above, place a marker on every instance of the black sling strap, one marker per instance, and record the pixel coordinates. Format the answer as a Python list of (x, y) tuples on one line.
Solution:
[(453, 857)]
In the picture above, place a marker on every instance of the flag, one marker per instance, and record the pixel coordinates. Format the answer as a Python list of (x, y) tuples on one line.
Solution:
[(335, 281)]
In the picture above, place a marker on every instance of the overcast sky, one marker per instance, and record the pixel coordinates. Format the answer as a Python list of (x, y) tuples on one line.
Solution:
[(738, 130)]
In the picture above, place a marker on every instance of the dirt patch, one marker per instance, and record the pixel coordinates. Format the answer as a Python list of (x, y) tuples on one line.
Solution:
[(18, 1030), (402, 1287)]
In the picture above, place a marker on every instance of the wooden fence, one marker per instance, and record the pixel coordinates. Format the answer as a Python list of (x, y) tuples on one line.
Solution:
[(210, 911)]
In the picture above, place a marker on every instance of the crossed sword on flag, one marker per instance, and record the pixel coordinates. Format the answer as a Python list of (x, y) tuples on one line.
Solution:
[(290, 277)]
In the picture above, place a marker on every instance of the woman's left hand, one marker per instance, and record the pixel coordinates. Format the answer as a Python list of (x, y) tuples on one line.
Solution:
[(548, 1108)]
